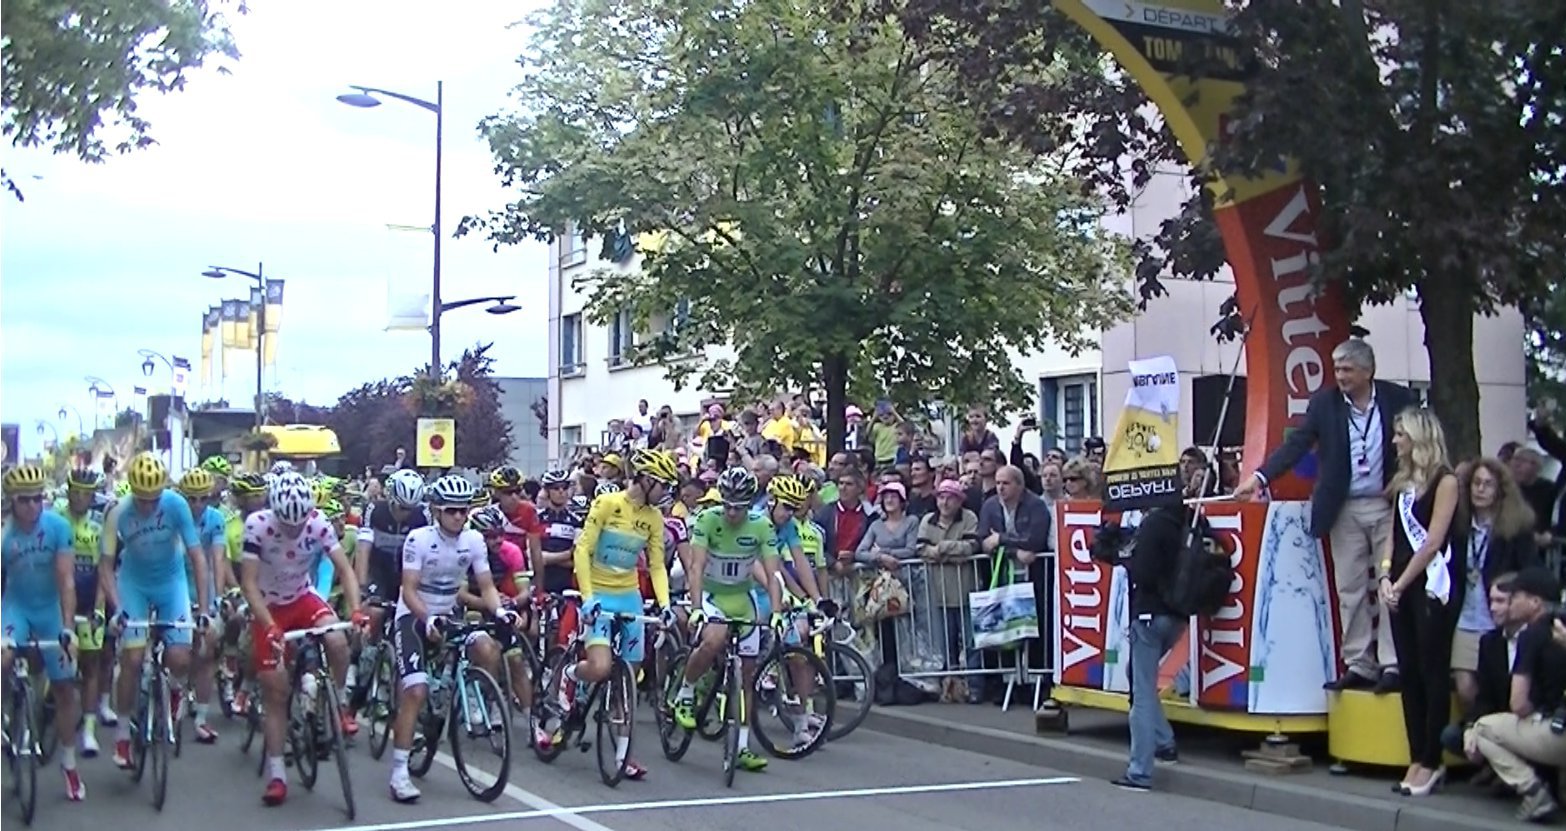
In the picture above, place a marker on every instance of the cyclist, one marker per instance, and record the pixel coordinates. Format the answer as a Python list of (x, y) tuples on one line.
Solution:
[(620, 526), (277, 570), (788, 497), (522, 527), (505, 570), (86, 523), (38, 597), (732, 550), (150, 575), (197, 487), (437, 560), (378, 562), (248, 491), (326, 583)]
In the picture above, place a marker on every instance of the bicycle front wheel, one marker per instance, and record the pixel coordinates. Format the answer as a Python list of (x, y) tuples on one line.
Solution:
[(546, 707), (43, 723), (382, 701), (160, 738), (794, 703), (329, 713), (674, 738), (301, 739), (733, 716), (478, 711), (616, 716), (24, 755), (852, 685)]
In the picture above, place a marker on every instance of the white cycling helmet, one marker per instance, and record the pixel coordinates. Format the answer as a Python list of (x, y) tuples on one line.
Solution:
[(405, 489), (555, 477), (281, 467), (292, 500), (452, 491), (579, 502), (605, 488)]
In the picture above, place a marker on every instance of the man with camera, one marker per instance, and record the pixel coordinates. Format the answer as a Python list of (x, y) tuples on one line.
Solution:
[(1532, 732)]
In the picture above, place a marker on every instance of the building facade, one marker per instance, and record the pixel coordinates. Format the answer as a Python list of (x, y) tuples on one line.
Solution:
[(518, 398), (1078, 395)]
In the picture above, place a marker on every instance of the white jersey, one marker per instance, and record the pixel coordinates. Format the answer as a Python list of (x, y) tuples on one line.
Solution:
[(286, 567), (443, 564)]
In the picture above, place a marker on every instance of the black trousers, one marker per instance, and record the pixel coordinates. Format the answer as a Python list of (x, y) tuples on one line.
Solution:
[(1422, 631)]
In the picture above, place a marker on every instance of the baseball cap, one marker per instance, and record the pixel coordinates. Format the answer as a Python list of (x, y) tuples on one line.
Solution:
[(950, 487), (1539, 582)]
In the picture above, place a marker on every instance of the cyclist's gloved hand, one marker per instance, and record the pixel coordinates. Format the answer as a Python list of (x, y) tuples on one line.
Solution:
[(98, 620), (697, 618), (120, 619), (360, 618), (67, 639), (667, 617), (433, 626), (508, 617), (274, 636), (591, 608), (203, 622), (779, 620), (827, 606)]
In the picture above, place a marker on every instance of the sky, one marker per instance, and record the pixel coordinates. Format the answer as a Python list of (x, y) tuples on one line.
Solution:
[(265, 166)]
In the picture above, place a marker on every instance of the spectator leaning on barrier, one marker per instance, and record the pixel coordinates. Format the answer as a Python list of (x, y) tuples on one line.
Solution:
[(1350, 428), (893, 535), (1490, 682), (948, 542), (1533, 730), (843, 522)]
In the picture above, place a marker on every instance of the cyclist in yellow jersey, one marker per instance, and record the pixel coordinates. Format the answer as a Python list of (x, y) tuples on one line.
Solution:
[(618, 528), (87, 544)]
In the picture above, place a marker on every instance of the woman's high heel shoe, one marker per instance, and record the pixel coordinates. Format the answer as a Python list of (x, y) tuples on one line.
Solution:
[(1430, 784)]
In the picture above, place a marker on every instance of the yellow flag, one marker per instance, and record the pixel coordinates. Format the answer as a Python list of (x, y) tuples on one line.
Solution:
[(206, 348), (1142, 467), (437, 443), (230, 324)]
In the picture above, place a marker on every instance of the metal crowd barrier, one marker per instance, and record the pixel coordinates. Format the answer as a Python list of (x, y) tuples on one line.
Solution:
[(932, 642)]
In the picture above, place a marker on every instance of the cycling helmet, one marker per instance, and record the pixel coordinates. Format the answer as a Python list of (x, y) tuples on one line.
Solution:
[(217, 466), (666, 501), (247, 484), (405, 488), (291, 499), (24, 480), (486, 520), (451, 491), (579, 502), (122, 490), (333, 509), (196, 482), (738, 487), (555, 478), (505, 478), (710, 498), (281, 467), (147, 475), (789, 490), (83, 479), (605, 488), (321, 489), (482, 498), (657, 464)]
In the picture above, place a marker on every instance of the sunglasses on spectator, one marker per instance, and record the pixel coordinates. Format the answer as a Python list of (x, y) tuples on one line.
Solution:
[(1074, 478)]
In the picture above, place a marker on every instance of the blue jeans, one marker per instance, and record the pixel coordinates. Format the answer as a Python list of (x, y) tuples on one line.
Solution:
[(1151, 639)]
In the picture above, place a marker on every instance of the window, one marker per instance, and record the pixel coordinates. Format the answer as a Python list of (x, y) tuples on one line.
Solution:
[(1070, 408), (570, 440), (574, 247), (621, 339), (572, 360), (669, 323)]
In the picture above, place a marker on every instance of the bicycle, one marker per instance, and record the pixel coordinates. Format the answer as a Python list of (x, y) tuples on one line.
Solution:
[(847, 668), (315, 727), (668, 651), (477, 695), (23, 723), (611, 702), (380, 664), (807, 718), (153, 724)]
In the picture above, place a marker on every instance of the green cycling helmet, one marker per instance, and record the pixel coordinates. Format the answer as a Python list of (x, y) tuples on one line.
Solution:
[(332, 509), (217, 466), (122, 490)]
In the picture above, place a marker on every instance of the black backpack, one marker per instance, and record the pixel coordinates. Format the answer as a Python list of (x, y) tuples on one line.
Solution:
[(1199, 583)]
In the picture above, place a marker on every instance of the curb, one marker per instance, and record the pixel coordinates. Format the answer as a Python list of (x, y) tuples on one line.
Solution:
[(1265, 795)]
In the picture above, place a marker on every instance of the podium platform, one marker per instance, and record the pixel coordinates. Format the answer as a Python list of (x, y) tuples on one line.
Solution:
[(1367, 729)]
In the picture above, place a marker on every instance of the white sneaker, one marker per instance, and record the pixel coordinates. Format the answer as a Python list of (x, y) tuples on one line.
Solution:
[(402, 789), (89, 744), (107, 716)]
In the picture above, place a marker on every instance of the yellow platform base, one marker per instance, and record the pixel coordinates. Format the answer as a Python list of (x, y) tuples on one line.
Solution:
[(1181, 711), (1367, 729)]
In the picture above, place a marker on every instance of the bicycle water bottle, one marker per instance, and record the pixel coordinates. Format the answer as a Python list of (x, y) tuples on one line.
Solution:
[(308, 687)]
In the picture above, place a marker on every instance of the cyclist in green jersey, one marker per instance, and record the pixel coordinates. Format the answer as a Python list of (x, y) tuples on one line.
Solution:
[(733, 550)]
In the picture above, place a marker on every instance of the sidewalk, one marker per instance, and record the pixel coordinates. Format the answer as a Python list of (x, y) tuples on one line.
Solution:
[(1210, 768)]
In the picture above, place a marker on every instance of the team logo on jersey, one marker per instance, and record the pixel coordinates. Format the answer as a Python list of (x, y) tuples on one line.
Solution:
[(462, 561), (745, 540)]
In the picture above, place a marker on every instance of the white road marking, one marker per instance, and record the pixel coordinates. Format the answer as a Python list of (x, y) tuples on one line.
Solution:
[(573, 816)]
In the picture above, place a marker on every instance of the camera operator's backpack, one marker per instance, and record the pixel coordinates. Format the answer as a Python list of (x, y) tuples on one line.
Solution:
[(1199, 583)]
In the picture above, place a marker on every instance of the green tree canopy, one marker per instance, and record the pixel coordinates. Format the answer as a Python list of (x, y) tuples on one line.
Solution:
[(71, 73), (822, 201), (1433, 127)]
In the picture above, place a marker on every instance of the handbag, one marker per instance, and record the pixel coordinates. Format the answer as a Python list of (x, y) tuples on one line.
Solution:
[(1006, 613)]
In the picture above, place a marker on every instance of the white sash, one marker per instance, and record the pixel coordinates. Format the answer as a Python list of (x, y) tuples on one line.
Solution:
[(1438, 580)]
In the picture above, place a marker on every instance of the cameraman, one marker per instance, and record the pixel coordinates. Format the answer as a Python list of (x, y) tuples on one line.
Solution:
[(1533, 731)]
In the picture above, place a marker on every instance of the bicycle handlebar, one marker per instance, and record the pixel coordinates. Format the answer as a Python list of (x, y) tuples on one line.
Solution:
[(177, 625), (316, 631), (41, 646)]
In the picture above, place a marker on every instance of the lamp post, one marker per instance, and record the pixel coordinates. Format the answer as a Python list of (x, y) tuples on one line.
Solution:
[(81, 424), (96, 387), (148, 366), (218, 272), (366, 97), (44, 424), (500, 304)]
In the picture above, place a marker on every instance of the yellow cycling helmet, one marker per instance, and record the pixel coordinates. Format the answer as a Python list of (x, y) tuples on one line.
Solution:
[(196, 483), (482, 498), (147, 475), (657, 464), (25, 480), (247, 484), (711, 497), (789, 490)]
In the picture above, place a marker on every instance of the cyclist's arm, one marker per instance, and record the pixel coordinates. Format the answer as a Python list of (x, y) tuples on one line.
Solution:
[(659, 570), (345, 575), (65, 583), (695, 570), (361, 559), (195, 552), (582, 552), (805, 571), (769, 564), (108, 586), (489, 596), (412, 565), (250, 581)]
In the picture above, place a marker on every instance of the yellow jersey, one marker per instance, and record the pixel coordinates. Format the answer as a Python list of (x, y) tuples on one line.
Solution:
[(609, 549)]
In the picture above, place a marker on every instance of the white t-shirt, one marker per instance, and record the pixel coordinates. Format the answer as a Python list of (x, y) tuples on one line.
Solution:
[(443, 564), (286, 567)]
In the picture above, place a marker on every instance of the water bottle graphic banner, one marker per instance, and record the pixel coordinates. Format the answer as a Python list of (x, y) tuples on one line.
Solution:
[(1268, 651)]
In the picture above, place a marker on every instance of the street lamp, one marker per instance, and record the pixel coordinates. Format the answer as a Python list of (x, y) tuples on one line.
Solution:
[(42, 424), (500, 304), (147, 365), (365, 97), (81, 424), (218, 272), (96, 387)]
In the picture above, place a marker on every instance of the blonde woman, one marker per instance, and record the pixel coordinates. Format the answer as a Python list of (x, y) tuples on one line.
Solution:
[(1080, 479), (1417, 587), (1493, 536)]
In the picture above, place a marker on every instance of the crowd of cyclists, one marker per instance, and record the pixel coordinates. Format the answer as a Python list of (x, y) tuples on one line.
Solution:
[(230, 562)]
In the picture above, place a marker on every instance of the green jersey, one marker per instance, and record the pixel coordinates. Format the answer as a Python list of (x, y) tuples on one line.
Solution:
[(732, 549)]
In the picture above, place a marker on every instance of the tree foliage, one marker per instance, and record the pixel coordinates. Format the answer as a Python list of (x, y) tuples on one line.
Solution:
[(72, 73), (805, 186), (540, 410), (1547, 353), (1433, 127)]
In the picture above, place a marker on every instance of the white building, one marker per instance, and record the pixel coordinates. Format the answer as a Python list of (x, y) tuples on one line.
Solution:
[(589, 383)]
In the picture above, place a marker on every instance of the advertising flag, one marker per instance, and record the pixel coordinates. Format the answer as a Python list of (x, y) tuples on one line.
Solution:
[(181, 376), (230, 323), (437, 443), (257, 303), (206, 347), (242, 319), (1142, 468), (274, 305)]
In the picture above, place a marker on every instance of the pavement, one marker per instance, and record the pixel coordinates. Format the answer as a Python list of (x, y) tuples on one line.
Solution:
[(871, 781), (1210, 768)]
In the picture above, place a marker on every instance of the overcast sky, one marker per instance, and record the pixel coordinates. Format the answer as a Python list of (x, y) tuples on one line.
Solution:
[(264, 166)]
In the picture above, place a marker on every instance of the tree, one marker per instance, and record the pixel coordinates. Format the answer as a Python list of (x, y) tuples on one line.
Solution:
[(483, 434), (1433, 129), (803, 185), (71, 73), (540, 410), (1547, 351)]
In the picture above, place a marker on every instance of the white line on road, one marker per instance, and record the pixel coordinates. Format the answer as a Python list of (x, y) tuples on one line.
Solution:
[(573, 816)]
